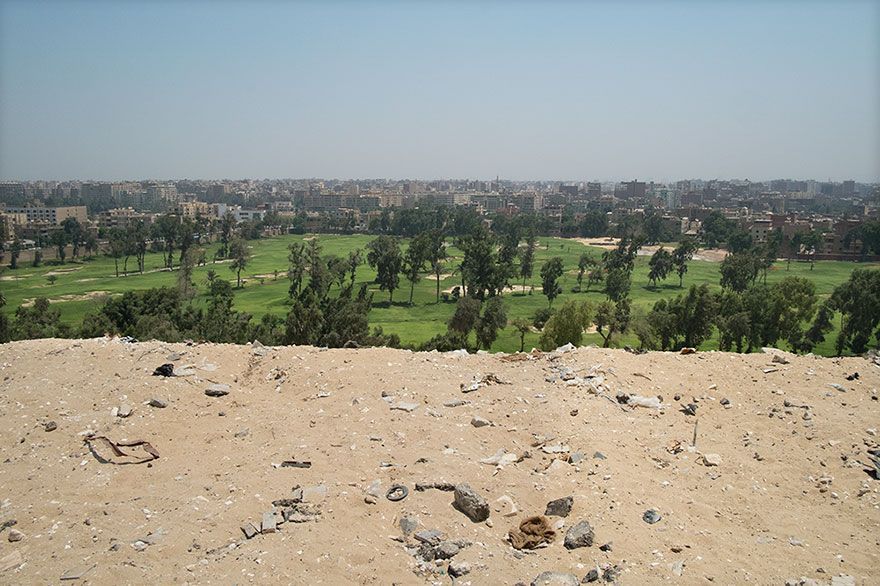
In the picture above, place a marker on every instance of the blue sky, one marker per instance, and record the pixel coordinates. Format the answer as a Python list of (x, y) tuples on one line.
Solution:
[(525, 90)]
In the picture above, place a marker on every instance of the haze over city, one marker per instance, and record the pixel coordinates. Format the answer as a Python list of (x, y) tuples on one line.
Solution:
[(96, 90)]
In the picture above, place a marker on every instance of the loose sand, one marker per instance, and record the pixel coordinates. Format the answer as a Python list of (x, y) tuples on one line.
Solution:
[(788, 497)]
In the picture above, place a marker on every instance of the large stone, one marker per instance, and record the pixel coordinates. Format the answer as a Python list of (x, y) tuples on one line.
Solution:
[(555, 579), (269, 522), (478, 421), (579, 535), (559, 507), (217, 390), (446, 550), (459, 569), (429, 536), (470, 503), (158, 403)]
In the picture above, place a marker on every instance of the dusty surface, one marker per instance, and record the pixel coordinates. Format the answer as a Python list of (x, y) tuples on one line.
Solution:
[(789, 496)]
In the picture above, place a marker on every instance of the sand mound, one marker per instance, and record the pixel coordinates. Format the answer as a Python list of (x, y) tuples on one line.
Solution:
[(775, 487)]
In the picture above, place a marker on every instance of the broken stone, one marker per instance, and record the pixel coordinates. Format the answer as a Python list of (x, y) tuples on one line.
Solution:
[(711, 460), (444, 486), (50, 426), (458, 569), (158, 403), (269, 522), (606, 546), (505, 505), (446, 550), (559, 507), (456, 403), (429, 536), (592, 576), (403, 406), (313, 494), (651, 516), (15, 535), (249, 530), (76, 574), (217, 390), (478, 421), (579, 535), (124, 410), (408, 524), (166, 369), (555, 579), (725, 402), (555, 449), (470, 503), (779, 359)]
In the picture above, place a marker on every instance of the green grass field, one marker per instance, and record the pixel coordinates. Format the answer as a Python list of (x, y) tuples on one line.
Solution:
[(264, 294)]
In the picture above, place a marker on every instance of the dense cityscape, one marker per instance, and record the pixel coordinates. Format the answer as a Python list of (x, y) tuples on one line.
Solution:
[(824, 219)]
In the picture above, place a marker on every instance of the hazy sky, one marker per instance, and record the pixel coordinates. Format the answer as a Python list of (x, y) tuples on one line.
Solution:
[(524, 90)]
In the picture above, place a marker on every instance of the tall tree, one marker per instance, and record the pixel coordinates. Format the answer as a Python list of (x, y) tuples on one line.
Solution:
[(660, 265), (297, 267), (240, 255), (612, 319), (384, 256), (75, 234), (464, 319), (59, 240), (493, 319), (681, 256), (14, 253), (523, 327), (585, 262), (739, 270), (479, 264), (436, 255), (527, 258), (567, 325), (550, 273), (414, 261)]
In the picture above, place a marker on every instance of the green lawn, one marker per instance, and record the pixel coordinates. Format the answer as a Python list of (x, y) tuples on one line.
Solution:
[(413, 324)]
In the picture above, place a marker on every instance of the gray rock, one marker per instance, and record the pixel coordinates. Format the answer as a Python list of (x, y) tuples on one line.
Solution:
[(579, 535), (599, 456), (559, 507), (217, 390), (592, 576), (459, 569), (403, 406), (446, 550), (470, 503), (478, 421), (576, 458), (269, 522), (50, 426), (158, 403), (124, 410), (555, 579), (456, 403), (249, 530), (15, 535), (408, 524), (651, 516), (429, 536)]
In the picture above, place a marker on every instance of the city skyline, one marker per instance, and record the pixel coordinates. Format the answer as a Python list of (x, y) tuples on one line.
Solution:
[(526, 92)]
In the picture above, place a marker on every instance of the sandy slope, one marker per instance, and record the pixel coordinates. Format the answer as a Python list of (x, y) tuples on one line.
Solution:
[(759, 517)]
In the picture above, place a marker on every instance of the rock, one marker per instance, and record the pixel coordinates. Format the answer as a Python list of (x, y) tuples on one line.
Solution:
[(370, 499), (599, 456), (470, 503), (843, 580), (478, 421), (408, 524), (50, 426), (555, 579), (838, 387), (166, 369), (677, 568), (555, 449), (779, 359), (124, 410), (15, 535), (312, 494), (446, 550), (429, 536), (725, 401), (690, 409), (559, 507), (576, 458), (217, 390), (249, 530), (269, 522), (606, 546), (158, 403), (76, 573), (505, 505), (592, 576), (579, 535), (444, 486), (403, 406), (711, 460), (651, 516), (458, 569), (456, 403)]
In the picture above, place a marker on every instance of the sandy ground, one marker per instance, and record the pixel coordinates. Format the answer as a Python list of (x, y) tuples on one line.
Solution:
[(29, 301), (789, 495), (709, 254)]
